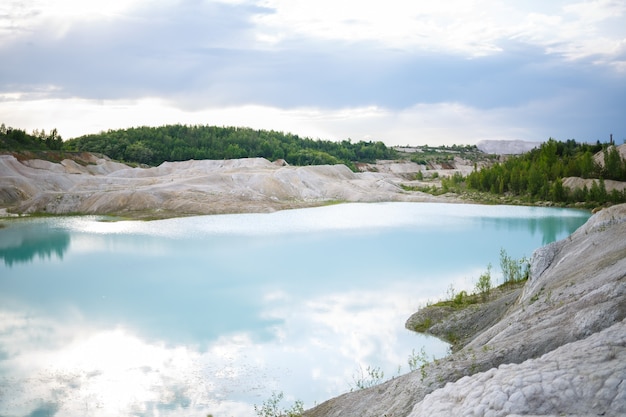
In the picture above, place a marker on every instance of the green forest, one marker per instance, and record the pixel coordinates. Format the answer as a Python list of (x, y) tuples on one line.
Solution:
[(538, 175), (154, 145), (18, 140)]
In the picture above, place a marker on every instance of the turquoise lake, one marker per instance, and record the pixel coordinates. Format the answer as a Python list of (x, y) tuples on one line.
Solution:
[(211, 314)]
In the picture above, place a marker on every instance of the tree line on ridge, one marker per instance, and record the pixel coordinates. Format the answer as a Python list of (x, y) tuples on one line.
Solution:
[(538, 175), (154, 145), (534, 176)]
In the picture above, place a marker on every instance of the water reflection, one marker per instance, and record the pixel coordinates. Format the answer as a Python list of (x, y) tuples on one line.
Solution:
[(211, 314), (21, 243), (313, 351), (550, 227)]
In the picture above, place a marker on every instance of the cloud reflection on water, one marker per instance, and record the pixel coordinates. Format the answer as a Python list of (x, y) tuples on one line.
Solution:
[(212, 314), (349, 216), (70, 367)]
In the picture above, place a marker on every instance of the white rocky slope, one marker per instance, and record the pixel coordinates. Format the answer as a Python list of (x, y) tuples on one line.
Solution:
[(580, 378), (190, 187), (560, 349), (576, 182)]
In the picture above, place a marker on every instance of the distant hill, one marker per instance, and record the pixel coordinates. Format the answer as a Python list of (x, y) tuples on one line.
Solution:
[(506, 147), (155, 145)]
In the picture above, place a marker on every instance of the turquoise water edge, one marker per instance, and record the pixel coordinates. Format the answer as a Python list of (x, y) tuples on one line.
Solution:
[(211, 314)]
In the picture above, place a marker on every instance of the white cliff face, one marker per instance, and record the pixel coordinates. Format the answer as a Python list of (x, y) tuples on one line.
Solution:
[(560, 349), (189, 187)]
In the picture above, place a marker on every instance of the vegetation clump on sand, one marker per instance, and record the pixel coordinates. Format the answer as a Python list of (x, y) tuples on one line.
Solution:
[(458, 320), (462, 315)]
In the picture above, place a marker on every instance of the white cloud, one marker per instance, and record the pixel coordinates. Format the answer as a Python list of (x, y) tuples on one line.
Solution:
[(471, 28), (423, 123), (578, 30), (22, 17), (596, 10), (438, 123), (396, 23)]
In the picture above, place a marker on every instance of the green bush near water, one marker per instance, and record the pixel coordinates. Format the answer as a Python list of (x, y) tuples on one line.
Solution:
[(271, 407)]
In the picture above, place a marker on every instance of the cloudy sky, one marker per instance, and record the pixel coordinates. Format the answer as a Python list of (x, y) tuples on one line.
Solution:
[(401, 71)]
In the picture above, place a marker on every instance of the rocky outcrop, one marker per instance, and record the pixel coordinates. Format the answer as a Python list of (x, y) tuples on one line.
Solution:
[(559, 349), (101, 186), (459, 326), (582, 378)]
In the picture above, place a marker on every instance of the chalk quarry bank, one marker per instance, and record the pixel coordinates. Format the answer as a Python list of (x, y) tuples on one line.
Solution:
[(101, 186)]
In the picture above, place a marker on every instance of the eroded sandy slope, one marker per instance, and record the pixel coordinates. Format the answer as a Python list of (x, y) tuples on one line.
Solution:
[(189, 187)]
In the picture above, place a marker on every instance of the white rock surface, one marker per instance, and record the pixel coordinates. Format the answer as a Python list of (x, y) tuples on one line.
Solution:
[(576, 182), (582, 378)]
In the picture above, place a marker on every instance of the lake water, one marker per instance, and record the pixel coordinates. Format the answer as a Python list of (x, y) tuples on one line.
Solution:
[(212, 314)]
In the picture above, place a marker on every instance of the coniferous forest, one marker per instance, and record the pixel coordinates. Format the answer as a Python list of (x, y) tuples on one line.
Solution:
[(538, 174)]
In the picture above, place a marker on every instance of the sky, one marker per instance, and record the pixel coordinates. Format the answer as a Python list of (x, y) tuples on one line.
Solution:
[(404, 72)]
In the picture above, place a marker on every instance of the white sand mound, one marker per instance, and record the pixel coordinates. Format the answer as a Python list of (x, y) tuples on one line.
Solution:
[(576, 182), (189, 187)]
